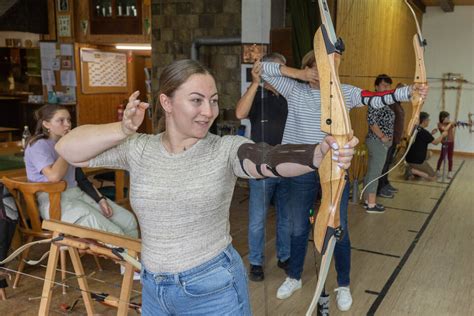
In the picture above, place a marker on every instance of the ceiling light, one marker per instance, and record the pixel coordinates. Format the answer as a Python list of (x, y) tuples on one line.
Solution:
[(133, 46)]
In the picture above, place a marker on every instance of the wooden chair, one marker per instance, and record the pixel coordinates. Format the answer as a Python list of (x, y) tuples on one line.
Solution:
[(29, 222)]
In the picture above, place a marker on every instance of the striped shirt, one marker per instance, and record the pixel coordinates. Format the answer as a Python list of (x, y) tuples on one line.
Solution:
[(304, 104)]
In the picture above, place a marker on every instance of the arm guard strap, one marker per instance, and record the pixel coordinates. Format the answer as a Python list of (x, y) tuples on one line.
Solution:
[(86, 186), (271, 156)]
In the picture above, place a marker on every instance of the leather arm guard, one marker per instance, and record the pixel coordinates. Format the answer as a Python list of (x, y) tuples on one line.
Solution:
[(271, 156)]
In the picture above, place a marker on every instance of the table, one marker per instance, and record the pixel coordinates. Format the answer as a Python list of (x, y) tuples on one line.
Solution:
[(7, 131)]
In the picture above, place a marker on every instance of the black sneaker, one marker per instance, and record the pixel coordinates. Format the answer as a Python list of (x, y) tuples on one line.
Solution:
[(377, 209), (256, 273), (385, 193), (285, 265), (323, 305), (366, 205), (390, 188)]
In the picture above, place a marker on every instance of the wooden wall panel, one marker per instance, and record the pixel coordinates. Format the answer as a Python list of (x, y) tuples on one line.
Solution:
[(378, 39)]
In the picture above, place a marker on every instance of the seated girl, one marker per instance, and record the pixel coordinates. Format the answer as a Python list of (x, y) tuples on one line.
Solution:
[(80, 202)]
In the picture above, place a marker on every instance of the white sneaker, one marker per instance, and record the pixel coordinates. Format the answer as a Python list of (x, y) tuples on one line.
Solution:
[(343, 298), (288, 288), (450, 175)]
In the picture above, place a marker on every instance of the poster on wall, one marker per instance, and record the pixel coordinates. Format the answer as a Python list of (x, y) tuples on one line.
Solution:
[(103, 71), (109, 70)]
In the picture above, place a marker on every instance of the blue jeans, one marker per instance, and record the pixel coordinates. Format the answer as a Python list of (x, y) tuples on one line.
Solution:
[(302, 190), (261, 193), (217, 287)]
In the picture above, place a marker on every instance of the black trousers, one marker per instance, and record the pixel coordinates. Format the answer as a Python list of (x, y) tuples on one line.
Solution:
[(388, 161)]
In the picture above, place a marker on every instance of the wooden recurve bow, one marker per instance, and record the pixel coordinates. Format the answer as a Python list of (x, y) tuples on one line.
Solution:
[(335, 121)]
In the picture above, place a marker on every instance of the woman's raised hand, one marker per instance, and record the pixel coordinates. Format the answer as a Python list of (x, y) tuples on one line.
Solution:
[(133, 114)]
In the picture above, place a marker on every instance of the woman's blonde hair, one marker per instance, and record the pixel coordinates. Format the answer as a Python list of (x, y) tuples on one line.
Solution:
[(308, 60)]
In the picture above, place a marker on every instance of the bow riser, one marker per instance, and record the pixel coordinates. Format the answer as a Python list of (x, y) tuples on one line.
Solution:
[(328, 215)]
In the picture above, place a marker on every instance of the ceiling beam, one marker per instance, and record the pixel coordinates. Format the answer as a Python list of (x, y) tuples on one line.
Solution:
[(446, 5)]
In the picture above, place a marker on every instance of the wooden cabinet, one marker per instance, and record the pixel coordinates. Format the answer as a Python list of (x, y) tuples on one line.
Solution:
[(115, 16)]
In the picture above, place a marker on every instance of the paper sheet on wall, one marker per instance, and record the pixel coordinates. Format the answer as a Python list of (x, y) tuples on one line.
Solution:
[(56, 65), (68, 78), (89, 56), (47, 63), (48, 55), (47, 77), (109, 70), (66, 50), (48, 49)]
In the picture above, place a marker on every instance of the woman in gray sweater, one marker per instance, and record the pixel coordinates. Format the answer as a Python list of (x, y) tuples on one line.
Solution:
[(181, 185)]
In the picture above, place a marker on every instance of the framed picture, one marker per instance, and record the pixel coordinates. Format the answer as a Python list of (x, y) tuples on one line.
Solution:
[(64, 25), (63, 5)]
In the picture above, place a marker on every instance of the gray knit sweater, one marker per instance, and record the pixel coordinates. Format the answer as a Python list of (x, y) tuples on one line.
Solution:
[(181, 200)]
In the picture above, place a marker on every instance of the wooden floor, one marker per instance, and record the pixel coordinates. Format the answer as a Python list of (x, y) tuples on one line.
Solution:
[(415, 259)]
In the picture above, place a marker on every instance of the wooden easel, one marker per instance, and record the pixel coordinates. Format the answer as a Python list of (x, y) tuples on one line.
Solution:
[(133, 247)]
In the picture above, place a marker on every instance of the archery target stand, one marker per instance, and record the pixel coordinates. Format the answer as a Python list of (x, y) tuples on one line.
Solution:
[(73, 234), (458, 81)]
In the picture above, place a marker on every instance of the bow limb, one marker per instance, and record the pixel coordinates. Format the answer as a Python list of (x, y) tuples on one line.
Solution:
[(335, 121), (18, 251), (324, 268), (417, 101)]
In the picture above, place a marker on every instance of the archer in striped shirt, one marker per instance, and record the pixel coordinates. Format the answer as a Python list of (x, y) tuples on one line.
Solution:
[(303, 127)]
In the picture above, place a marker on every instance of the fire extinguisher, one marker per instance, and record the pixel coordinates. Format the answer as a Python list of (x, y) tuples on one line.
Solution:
[(120, 109)]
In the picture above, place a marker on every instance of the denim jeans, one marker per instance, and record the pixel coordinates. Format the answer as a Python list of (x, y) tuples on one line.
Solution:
[(261, 193), (302, 193), (302, 190), (217, 287)]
